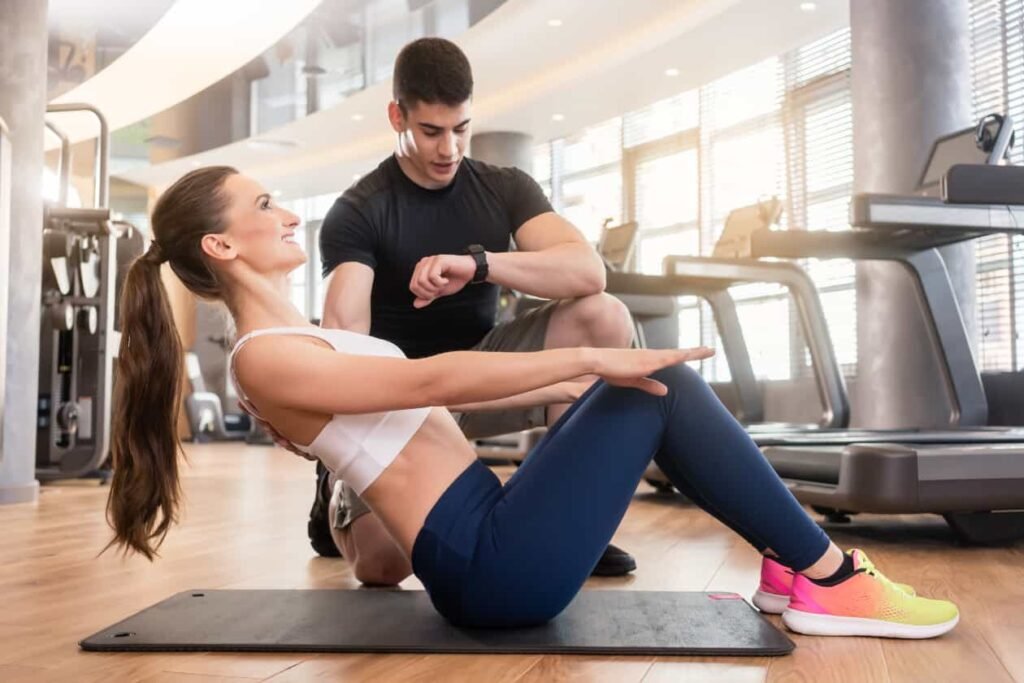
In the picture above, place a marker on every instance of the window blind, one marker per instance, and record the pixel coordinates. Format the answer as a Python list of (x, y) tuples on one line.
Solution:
[(997, 74), (819, 149)]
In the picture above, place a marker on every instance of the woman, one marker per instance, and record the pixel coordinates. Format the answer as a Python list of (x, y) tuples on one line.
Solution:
[(489, 555)]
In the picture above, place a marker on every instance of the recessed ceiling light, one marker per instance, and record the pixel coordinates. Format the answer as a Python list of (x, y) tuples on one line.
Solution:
[(808, 6), (554, 23), (277, 193), (357, 117), (558, 117), (672, 71)]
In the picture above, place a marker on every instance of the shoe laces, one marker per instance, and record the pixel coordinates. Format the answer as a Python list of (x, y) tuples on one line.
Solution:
[(869, 568)]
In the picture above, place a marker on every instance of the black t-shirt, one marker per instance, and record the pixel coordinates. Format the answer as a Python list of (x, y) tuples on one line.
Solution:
[(388, 222)]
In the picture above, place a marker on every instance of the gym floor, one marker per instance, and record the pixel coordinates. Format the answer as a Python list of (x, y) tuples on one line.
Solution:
[(244, 527)]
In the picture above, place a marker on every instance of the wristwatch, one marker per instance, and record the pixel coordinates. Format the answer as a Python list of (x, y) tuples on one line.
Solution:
[(480, 256)]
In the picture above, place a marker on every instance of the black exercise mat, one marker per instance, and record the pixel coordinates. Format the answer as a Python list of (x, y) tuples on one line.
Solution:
[(597, 622)]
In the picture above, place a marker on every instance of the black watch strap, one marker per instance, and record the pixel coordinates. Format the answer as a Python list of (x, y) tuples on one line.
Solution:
[(480, 256)]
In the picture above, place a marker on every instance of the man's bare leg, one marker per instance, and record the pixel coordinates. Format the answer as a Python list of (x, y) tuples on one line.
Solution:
[(599, 320)]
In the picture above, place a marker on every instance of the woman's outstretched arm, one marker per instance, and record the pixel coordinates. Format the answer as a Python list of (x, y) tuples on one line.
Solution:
[(291, 372), (561, 392)]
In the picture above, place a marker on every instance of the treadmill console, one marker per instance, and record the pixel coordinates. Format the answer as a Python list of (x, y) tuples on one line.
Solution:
[(982, 184)]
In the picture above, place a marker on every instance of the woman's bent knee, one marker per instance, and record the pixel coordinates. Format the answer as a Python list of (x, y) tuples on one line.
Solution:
[(680, 376)]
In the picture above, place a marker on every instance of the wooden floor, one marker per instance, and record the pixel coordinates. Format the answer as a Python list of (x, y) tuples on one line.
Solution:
[(245, 528)]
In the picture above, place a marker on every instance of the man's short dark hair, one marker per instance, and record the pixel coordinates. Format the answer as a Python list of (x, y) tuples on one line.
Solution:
[(434, 71)]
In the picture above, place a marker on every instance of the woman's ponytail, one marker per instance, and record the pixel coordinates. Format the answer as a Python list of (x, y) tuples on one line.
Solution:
[(145, 491)]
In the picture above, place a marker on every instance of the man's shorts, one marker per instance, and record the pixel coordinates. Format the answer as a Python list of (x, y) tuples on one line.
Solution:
[(525, 332)]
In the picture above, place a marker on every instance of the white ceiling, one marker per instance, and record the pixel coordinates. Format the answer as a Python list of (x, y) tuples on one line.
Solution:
[(192, 46), (608, 57)]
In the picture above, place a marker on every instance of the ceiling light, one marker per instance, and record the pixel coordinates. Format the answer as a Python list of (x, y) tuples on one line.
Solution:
[(672, 71), (277, 193), (554, 23), (357, 117), (558, 117), (808, 6)]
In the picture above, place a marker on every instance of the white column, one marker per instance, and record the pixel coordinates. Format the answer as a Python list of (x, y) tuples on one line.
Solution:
[(23, 39)]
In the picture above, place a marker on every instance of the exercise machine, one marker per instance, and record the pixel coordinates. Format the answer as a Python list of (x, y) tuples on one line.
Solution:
[(970, 473), (206, 417), (85, 254)]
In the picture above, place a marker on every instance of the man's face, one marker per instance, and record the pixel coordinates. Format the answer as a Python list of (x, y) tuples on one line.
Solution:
[(433, 139)]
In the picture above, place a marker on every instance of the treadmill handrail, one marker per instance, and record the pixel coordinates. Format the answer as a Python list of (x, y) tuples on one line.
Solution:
[(750, 408), (913, 245), (828, 376)]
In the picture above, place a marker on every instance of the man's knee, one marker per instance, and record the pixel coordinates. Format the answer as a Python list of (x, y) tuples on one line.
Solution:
[(602, 320)]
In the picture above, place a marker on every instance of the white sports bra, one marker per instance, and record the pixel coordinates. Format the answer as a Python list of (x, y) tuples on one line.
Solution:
[(355, 447)]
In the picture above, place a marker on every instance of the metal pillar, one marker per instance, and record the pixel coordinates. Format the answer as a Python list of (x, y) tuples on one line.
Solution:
[(910, 84)]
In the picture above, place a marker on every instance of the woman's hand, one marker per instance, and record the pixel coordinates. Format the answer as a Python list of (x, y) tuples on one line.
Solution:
[(633, 367)]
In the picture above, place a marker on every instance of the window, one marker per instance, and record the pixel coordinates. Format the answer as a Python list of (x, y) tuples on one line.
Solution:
[(997, 72), (661, 119), (582, 176), (588, 201), (666, 190), (677, 167), (662, 178), (306, 284), (819, 166), (597, 146)]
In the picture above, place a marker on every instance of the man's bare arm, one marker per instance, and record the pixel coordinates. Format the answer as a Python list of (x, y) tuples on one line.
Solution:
[(347, 304), (552, 261)]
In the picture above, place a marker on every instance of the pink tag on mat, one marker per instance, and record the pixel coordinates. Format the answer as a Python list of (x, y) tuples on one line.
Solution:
[(725, 596)]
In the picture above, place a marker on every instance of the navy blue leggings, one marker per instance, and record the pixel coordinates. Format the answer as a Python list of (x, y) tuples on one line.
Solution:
[(516, 555)]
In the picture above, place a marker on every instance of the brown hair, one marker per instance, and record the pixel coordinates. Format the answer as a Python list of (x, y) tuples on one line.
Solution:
[(144, 490), (434, 71)]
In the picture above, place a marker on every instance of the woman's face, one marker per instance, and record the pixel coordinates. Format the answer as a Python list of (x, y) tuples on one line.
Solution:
[(260, 232)]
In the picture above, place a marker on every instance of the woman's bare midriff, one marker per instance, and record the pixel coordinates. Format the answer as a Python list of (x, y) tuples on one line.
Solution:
[(408, 488)]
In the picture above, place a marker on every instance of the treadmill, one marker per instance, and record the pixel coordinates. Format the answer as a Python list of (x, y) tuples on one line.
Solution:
[(970, 473)]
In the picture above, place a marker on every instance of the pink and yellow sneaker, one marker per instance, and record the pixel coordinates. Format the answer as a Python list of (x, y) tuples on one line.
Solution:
[(772, 595), (865, 604)]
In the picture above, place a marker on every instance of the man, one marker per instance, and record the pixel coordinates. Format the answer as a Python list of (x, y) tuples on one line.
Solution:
[(416, 252)]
